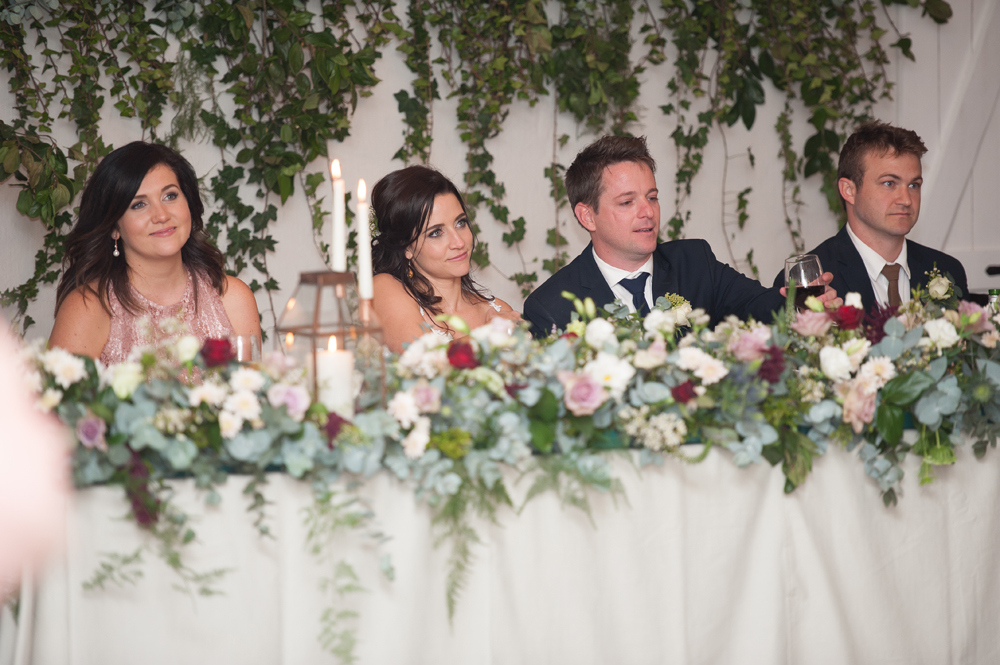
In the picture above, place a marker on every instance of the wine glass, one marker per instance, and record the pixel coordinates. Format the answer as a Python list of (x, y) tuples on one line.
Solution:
[(246, 348), (806, 271)]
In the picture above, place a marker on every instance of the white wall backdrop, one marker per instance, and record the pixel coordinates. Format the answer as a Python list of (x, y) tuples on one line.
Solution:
[(949, 96)]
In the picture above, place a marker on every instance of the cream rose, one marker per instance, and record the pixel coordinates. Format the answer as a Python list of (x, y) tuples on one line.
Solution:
[(938, 287)]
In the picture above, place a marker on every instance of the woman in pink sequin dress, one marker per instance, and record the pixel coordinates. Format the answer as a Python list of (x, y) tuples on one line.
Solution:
[(138, 252)]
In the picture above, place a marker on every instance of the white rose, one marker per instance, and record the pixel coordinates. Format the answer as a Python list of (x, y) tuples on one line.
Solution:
[(835, 363), (125, 378), (682, 312), (941, 333), (660, 321), (610, 371), (853, 299), (599, 332), (938, 287), (188, 347)]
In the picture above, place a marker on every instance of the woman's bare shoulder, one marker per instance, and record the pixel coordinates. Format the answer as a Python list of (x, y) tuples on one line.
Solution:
[(241, 306), (82, 323)]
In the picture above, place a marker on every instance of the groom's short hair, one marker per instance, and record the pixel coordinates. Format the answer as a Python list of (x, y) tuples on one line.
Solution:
[(585, 176), (879, 138)]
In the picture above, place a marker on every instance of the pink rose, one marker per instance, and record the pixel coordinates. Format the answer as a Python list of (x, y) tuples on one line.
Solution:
[(859, 407), (583, 393), (295, 399), (748, 345), (427, 397), (812, 324), (982, 324)]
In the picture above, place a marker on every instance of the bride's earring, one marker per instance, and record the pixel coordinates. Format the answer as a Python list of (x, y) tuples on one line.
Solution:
[(409, 272), (116, 252)]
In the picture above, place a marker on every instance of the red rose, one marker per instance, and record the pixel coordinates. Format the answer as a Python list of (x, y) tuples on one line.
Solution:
[(333, 424), (848, 318), (513, 388), (145, 504), (773, 365), (684, 392), (568, 335), (217, 352), (462, 356)]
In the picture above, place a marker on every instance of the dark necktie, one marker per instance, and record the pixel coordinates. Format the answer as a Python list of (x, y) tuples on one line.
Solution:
[(891, 272), (637, 287)]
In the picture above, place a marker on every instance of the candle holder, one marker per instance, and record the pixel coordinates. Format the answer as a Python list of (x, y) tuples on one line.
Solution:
[(324, 319)]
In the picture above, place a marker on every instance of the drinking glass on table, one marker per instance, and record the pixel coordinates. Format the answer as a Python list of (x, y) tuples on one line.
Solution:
[(246, 348), (806, 271)]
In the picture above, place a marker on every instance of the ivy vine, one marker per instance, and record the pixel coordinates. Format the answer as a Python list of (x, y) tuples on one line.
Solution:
[(270, 82)]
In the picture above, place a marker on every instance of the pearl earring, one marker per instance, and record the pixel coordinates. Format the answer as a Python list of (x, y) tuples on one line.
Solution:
[(116, 252)]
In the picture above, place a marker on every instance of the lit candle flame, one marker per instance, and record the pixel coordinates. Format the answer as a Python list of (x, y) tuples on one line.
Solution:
[(332, 345), (335, 169), (291, 303), (362, 190), (289, 339)]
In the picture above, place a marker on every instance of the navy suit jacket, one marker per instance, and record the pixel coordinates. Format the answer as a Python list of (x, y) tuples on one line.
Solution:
[(685, 267), (839, 256)]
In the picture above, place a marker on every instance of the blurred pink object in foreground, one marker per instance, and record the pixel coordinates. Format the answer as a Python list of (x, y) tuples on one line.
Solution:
[(34, 464)]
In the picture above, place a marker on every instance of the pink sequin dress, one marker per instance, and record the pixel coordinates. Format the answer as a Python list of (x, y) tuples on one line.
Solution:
[(209, 321)]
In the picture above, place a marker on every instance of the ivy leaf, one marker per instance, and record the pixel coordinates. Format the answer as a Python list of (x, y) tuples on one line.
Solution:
[(939, 10), (247, 15)]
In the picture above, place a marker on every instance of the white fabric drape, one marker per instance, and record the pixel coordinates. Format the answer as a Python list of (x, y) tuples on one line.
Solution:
[(702, 564)]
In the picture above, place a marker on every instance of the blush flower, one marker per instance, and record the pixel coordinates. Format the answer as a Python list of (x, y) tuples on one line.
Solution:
[(403, 407), (748, 345), (246, 378), (64, 367), (244, 404), (978, 318), (416, 441), (653, 356), (583, 394), (295, 399), (710, 370), (812, 324), (426, 397), (229, 424), (859, 407)]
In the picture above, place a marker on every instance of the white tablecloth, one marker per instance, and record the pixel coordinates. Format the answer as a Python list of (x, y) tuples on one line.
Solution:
[(703, 564)]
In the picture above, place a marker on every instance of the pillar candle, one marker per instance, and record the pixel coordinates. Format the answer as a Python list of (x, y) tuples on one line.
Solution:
[(335, 379), (338, 244), (365, 288)]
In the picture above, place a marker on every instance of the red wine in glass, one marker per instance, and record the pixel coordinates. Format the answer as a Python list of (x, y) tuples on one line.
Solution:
[(805, 270)]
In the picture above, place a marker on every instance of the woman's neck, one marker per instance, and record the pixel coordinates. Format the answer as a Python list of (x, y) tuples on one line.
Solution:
[(450, 292), (162, 282)]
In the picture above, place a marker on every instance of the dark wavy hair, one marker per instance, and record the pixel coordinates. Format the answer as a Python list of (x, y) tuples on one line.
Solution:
[(403, 201), (109, 192)]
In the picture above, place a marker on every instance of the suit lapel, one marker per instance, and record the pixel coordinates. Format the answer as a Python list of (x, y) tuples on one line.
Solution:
[(590, 280), (850, 268), (663, 280)]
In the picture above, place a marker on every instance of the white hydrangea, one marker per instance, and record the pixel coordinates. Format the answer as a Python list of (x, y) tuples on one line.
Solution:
[(600, 332)]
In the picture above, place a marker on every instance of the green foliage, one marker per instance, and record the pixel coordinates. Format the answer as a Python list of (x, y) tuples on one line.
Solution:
[(271, 83)]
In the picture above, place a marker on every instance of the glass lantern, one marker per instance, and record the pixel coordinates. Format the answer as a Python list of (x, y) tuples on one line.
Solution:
[(337, 337)]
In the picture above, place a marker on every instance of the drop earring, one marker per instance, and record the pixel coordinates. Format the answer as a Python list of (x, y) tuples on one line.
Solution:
[(409, 272), (116, 252)]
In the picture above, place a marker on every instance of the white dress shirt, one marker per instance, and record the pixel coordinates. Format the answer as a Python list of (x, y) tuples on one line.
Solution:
[(613, 276), (874, 264)]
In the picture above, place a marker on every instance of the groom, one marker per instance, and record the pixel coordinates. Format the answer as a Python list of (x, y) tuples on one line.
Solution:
[(613, 193)]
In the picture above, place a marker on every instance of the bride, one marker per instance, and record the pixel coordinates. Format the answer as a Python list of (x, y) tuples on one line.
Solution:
[(422, 257)]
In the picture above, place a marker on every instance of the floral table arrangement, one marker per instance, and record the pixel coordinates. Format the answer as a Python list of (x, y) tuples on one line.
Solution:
[(461, 411)]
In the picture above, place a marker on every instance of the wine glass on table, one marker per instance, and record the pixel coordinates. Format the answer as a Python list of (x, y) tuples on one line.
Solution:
[(246, 348), (806, 271)]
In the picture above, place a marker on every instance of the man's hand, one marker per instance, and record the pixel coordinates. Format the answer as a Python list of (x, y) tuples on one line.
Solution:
[(829, 297)]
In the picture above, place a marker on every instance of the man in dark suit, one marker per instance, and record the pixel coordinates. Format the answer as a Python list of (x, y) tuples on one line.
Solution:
[(879, 177), (613, 192)]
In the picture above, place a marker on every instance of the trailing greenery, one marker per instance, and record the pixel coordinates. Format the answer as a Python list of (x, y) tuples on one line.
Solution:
[(271, 83)]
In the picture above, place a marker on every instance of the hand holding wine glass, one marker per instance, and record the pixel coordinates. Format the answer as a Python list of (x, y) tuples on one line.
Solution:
[(805, 270)]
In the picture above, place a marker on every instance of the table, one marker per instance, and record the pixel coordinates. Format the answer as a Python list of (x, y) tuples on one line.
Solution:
[(704, 564)]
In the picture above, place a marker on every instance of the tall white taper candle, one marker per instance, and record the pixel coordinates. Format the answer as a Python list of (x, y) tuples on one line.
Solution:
[(338, 244)]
